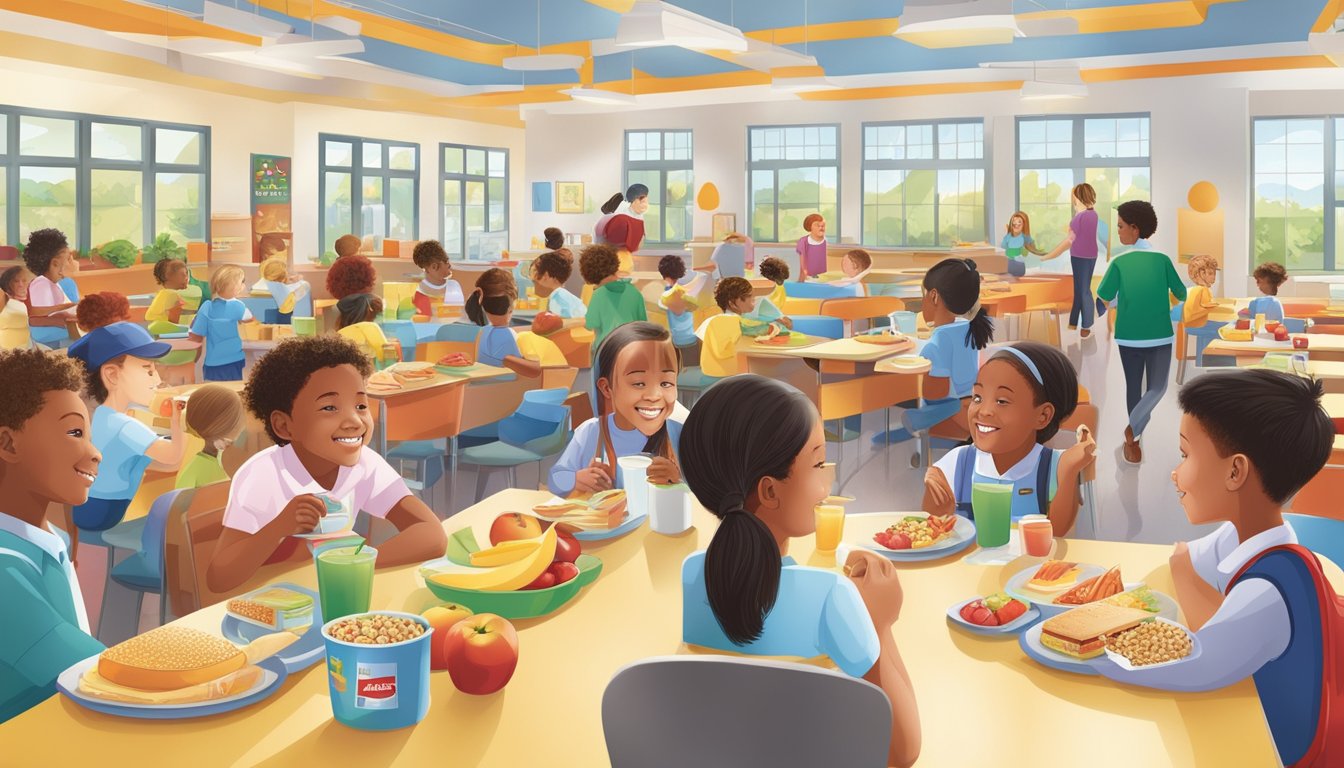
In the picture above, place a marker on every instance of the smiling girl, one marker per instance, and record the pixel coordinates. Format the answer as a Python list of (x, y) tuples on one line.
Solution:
[(1016, 240), (14, 333), (636, 372), (1021, 395)]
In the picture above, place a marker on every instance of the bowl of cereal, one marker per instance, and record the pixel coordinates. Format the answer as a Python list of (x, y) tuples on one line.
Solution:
[(1155, 643), (378, 669)]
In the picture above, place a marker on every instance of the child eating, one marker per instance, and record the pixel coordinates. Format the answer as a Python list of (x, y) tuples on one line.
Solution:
[(293, 295), (438, 285), (216, 324), (550, 271), (356, 323), (719, 334), (165, 311), (679, 301), (776, 271), (310, 394), (615, 302), (1268, 277), (491, 305)]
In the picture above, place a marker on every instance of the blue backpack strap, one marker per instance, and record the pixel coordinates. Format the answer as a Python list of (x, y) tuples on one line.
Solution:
[(1044, 462), (965, 477)]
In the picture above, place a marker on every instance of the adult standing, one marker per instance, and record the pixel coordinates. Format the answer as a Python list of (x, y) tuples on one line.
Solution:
[(50, 310), (626, 228), (811, 248), (608, 211), (1081, 244)]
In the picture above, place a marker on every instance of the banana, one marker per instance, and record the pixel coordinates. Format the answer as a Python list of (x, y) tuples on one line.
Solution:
[(504, 553), (504, 578)]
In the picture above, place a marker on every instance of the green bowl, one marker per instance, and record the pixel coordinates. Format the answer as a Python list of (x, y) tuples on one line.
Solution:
[(522, 603), (456, 370)]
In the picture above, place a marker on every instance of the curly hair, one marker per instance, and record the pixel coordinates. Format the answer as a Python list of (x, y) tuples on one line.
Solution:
[(773, 269), (1271, 272), (555, 239), (672, 266), (349, 275), (731, 289), (43, 245), (598, 262), (279, 375), (1201, 263), (347, 245), (429, 252), (165, 267), (40, 372), (104, 308), (553, 264)]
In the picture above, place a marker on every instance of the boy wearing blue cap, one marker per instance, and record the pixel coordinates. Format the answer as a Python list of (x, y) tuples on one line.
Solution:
[(120, 372)]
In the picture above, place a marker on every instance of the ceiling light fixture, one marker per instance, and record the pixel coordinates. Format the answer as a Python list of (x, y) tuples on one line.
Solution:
[(1329, 45), (312, 49), (955, 25), (651, 23), (347, 27), (801, 82), (542, 62), (1064, 83), (218, 15), (600, 96)]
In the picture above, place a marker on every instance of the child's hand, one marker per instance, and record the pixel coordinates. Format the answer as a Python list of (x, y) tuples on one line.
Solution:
[(878, 585), (593, 478), (940, 493), (787, 322), (663, 471), (175, 415), (302, 513), (1080, 455)]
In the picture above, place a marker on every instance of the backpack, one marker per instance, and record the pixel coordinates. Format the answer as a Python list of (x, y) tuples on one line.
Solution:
[(966, 472)]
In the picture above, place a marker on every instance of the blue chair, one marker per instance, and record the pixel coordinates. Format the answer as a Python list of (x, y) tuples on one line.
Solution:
[(458, 332), (427, 460), (142, 572), (538, 429), (1322, 535), (693, 381)]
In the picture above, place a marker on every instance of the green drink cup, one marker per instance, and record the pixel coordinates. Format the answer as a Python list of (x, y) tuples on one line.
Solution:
[(993, 506), (345, 580)]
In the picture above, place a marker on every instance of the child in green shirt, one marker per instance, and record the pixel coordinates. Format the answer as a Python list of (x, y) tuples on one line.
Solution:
[(214, 414), (615, 302)]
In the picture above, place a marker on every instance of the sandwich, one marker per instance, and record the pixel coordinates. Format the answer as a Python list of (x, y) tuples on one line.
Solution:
[(601, 510), (1081, 633), (383, 381), (276, 608)]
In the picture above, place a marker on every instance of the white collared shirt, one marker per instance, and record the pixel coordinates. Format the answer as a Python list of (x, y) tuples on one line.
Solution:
[(53, 545), (984, 464)]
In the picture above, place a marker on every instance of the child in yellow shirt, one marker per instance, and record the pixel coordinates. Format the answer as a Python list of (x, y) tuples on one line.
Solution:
[(357, 312), (776, 271), (720, 333), (1194, 313), (165, 311)]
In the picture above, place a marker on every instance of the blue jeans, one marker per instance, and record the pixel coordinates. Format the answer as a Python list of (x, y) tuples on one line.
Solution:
[(1140, 363), (1083, 303)]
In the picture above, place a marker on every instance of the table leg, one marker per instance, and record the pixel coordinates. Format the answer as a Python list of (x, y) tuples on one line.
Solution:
[(382, 429), (452, 472)]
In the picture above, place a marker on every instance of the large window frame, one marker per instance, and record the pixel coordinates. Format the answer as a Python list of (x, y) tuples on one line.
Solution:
[(84, 164), (776, 165), (670, 160), (359, 173), (937, 163), (1331, 172), (463, 179)]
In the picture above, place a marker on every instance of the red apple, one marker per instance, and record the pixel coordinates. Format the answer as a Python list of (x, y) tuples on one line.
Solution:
[(567, 548), (1281, 333), (442, 618), (512, 526), (482, 653), (546, 323), (545, 581), (564, 572)]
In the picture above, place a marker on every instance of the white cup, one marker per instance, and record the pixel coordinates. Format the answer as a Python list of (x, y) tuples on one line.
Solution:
[(669, 508), (634, 479)]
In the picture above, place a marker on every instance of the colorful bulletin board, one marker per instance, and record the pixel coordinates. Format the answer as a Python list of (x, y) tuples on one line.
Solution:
[(272, 227)]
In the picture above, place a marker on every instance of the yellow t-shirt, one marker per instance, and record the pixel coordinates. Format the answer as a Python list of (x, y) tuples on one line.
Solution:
[(163, 303), (718, 352), (368, 335), (14, 333), (778, 298), (1195, 314), (541, 349)]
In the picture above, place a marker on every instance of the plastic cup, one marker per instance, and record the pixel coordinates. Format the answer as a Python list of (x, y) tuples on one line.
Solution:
[(830, 526), (1037, 535), (345, 580), (993, 507), (904, 322), (304, 326), (669, 509), (634, 479)]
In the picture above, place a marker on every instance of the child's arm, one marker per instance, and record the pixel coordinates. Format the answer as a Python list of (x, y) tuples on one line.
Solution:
[(1199, 600), (880, 587), (530, 369), (574, 471), (199, 323), (663, 471), (239, 554), (938, 497), (420, 535), (40, 643), (167, 454), (1174, 281), (1064, 507)]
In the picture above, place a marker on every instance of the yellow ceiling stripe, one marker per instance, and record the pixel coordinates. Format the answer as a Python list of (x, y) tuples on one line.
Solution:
[(839, 30), (1331, 11), (902, 91), (124, 17), (1131, 18), (532, 94), (618, 6), (1187, 68)]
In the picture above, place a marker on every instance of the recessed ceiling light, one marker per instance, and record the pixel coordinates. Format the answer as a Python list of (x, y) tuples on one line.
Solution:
[(543, 62), (600, 96)]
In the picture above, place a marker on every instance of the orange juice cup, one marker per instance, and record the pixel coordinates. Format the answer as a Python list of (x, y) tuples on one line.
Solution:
[(1037, 535), (830, 526)]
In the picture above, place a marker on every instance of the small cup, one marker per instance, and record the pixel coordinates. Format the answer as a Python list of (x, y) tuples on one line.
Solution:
[(1037, 535), (669, 509), (1299, 342)]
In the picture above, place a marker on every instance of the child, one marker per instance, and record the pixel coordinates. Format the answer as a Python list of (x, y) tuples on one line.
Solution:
[(776, 271), (811, 248), (1081, 244), (165, 311), (608, 213), (555, 242), (855, 265), (102, 308), (1258, 603), (292, 294), (719, 334), (680, 303), (625, 230), (549, 272), (754, 455), (120, 373), (14, 332), (615, 302), (636, 380), (356, 323), (350, 275), (46, 458), (214, 414), (346, 245), (216, 323), (1142, 279), (1021, 395), (438, 286), (1268, 277), (1194, 314), (47, 256), (961, 328), (491, 305), (1016, 240), (310, 394), (734, 256)]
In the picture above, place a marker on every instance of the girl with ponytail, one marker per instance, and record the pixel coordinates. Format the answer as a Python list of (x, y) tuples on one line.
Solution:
[(636, 381), (754, 455), (490, 305)]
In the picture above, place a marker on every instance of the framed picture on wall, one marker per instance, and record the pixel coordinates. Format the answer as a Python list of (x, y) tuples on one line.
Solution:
[(724, 225), (541, 197), (569, 197)]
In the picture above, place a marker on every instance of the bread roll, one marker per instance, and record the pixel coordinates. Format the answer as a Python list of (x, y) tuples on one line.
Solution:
[(169, 658)]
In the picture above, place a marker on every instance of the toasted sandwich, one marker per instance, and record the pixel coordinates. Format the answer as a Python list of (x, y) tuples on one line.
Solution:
[(1081, 632)]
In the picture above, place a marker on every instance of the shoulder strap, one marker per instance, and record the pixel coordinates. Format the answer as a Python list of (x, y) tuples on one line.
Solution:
[(1045, 461), (965, 471), (1307, 556)]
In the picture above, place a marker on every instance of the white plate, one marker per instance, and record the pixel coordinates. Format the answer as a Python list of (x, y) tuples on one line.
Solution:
[(1030, 642), (1021, 622), (1017, 587), (1123, 663), (860, 529), (272, 674)]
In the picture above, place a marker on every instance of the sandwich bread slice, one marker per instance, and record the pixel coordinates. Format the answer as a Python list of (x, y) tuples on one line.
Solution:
[(1081, 632)]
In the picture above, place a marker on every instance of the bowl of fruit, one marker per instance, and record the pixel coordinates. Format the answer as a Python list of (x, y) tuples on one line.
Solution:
[(996, 614)]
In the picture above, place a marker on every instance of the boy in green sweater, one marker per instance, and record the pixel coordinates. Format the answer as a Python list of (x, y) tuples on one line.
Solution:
[(1142, 279), (614, 302)]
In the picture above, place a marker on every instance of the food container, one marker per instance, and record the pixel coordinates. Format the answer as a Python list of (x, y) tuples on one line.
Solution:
[(273, 608), (379, 687), (1299, 342), (1243, 324), (669, 509)]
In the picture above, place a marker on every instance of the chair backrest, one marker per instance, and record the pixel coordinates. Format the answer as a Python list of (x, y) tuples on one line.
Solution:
[(1321, 535), (816, 290), (433, 351), (156, 526), (861, 308), (719, 711), (195, 522), (540, 415), (458, 332), (1295, 324)]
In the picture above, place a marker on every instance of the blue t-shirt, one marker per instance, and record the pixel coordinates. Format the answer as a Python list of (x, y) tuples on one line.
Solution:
[(565, 304), (817, 612), (1016, 243), (1269, 306), (583, 447), (495, 343), (952, 356), (123, 441), (217, 321)]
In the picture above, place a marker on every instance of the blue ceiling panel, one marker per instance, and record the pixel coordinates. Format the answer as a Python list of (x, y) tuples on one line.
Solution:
[(418, 62), (751, 15)]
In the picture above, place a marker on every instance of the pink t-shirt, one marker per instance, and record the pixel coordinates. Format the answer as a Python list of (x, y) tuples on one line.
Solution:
[(44, 293), (266, 482)]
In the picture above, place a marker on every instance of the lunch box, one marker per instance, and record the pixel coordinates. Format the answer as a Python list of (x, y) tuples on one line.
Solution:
[(379, 687)]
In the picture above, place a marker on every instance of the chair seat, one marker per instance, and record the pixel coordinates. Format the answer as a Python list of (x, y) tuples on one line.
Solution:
[(498, 455), (694, 378), (124, 535), (139, 573), (412, 450)]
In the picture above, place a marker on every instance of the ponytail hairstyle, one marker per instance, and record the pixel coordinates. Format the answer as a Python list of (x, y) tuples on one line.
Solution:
[(1057, 386), (613, 203), (957, 282), (356, 308), (742, 429), (493, 283), (610, 351)]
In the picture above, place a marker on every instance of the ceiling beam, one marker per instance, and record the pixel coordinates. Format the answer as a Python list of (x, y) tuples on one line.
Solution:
[(125, 17)]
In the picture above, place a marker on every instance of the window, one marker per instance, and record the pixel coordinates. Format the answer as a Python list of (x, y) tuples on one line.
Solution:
[(474, 195), (924, 183), (792, 171), (102, 178), (661, 161), (1289, 222), (378, 179), (1110, 152)]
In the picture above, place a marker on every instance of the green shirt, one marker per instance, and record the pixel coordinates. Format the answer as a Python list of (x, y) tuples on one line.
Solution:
[(203, 469), (613, 305), (1142, 280), (45, 630)]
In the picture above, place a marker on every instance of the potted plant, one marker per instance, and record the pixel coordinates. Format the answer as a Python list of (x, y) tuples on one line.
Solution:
[(119, 253), (163, 247)]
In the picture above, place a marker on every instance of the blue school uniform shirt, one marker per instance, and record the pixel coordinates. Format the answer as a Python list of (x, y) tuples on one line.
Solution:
[(1022, 475), (816, 613), (217, 321), (952, 356), (1269, 306), (565, 304), (495, 343), (123, 441), (1016, 243), (584, 446)]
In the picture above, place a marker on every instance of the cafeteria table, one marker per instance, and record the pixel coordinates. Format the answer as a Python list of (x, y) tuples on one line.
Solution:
[(981, 700), (1320, 346)]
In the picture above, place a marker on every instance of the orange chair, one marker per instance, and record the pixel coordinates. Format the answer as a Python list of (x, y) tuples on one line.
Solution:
[(432, 351), (847, 310)]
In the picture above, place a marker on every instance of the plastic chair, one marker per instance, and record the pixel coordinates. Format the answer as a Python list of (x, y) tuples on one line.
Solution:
[(426, 458), (143, 571), (194, 526), (693, 382), (538, 429), (868, 308), (1321, 535), (783, 715)]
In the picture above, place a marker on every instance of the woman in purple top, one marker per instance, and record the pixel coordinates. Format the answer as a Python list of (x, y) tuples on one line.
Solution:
[(811, 248), (1082, 246)]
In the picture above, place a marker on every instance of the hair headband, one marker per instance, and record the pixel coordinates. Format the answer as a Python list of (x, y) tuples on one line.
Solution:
[(1020, 355)]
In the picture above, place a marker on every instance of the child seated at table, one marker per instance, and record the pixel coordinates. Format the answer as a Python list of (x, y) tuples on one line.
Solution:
[(776, 271), (615, 302), (215, 415), (754, 454), (1268, 277), (48, 257), (550, 271), (355, 322), (1194, 312), (490, 305), (438, 285), (719, 334), (855, 265), (636, 382), (350, 275), (680, 301), (14, 329), (293, 295), (165, 311), (310, 394), (46, 457), (1259, 603), (216, 323), (1021, 395)]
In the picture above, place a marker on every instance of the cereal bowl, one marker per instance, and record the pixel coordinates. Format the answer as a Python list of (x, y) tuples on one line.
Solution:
[(378, 669)]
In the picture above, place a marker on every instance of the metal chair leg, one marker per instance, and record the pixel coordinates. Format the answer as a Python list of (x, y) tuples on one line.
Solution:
[(513, 477), (480, 482)]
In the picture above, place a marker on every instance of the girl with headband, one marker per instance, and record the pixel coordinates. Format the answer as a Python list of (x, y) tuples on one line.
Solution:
[(1021, 395)]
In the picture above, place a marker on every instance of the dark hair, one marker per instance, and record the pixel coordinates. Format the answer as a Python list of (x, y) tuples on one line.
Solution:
[(164, 267), (620, 338), (40, 372), (271, 241), (350, 274), (1274, 418), (672, 266), (1060, 385), (43, 245), (731, 289), (957, 282), (554, 264), (8, 277), (93, 379), (861, 258), (279, 375), (355, 308), (555, 239), (742, 429), (773, 269), (1273, 273), (492, 282), (103, 308), (428, 252), (598, 262), (613, 203), (1140, 214)]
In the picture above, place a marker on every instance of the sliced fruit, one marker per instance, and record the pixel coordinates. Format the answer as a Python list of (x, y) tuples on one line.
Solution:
[(504, 553), (504, 578), (461, 545)]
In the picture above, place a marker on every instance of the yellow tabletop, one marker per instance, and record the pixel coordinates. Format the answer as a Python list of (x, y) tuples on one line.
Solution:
[(1320, 346), (977, 696), (1333, 404), (843, 350)]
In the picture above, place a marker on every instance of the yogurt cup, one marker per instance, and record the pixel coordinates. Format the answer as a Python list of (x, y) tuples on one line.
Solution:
[(378, 687)]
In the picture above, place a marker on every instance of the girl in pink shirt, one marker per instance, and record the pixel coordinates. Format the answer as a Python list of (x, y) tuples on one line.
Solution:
[(811, 248)]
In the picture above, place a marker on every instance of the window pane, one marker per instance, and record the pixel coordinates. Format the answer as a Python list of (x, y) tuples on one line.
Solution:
[(46, 137), (338, 153), (1044, 197), (116, 209), (475, 162), (372, 154), (47, 199), (1289, 181), (677, 206), (4, 136), (401, 158), (336, 204), (179, 206), (372, 211), (763, 206), (112, 141), (452, 159), (401, 209), (497, 204), (177, 147), (452, 215), (4, 185), (497, 164)]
